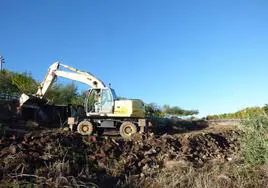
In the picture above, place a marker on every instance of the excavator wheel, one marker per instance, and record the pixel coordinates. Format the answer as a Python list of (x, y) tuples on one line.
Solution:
[(127, 129), (85, 128)]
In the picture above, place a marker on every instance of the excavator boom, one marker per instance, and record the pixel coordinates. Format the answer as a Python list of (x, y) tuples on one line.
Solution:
[(72, 74)]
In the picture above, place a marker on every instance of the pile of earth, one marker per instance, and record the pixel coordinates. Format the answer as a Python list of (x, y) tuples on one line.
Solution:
[(56, 158)]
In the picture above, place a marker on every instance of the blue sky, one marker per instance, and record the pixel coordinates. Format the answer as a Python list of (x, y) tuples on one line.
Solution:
[(205, 55)]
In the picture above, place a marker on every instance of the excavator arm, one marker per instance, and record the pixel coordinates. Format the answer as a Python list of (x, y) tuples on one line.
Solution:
[(71, 73)]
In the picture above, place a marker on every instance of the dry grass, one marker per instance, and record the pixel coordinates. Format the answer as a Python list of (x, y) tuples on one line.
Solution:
[(228, 175)]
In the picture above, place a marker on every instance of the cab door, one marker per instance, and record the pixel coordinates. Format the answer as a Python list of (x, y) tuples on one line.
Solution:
[(107, 101)]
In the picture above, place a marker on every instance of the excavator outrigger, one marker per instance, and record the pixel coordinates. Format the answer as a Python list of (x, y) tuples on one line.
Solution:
[(101, 106)]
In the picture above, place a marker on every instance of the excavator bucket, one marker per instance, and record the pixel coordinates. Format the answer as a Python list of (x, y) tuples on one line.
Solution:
[(23, 98), (41, 111), (31, 100)]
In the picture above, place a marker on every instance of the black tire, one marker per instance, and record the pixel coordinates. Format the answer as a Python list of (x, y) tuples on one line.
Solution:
[(85, 128), (127, 129)]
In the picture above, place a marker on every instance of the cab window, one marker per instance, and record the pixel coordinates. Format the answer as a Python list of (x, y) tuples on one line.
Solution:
[(106, 96)]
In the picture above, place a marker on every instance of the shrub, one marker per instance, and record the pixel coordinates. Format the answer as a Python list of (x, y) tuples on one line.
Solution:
[(254, 142)]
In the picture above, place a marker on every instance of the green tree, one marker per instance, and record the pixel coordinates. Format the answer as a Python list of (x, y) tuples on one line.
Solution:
[(64, 94), (24, 83), (153, 110), (12, 82), (242, 114), (6, 85), (177, 111)]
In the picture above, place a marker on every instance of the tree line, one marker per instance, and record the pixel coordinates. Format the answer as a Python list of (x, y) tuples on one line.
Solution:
[(241, 114)]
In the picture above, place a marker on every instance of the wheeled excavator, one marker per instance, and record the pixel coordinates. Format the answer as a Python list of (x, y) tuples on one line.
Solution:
[(102, 107)]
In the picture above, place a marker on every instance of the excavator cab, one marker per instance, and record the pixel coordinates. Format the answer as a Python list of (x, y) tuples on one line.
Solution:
[(100, 100)]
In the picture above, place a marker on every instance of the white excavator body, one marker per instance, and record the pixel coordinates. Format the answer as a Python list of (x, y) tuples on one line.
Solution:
[(102, 107)]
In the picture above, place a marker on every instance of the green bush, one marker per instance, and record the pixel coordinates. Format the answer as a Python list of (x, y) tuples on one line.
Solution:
[(242, 114), (64, 94), (6, 84), (153, 110), (24, 83), (254, 141)]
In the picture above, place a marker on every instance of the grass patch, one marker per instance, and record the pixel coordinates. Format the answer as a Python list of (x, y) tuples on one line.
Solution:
[(228, 175), (254, 142)]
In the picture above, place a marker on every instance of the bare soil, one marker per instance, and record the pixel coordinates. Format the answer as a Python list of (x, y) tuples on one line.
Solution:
[(56, 158)]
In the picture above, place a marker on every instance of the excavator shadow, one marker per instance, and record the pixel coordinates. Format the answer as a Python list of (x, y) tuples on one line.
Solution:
[(177, 126)]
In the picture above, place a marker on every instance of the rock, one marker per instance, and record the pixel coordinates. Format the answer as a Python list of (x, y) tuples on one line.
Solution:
[(229, 158), (150, 152), (12, 149)]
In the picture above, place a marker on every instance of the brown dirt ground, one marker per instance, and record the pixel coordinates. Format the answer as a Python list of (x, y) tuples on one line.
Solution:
[(56, 158)]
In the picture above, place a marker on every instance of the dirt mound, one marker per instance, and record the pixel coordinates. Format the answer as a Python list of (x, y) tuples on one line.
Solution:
[(57, 158), (207, 146)]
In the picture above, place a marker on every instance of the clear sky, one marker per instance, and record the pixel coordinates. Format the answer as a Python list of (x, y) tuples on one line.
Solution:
[(197, 54)]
